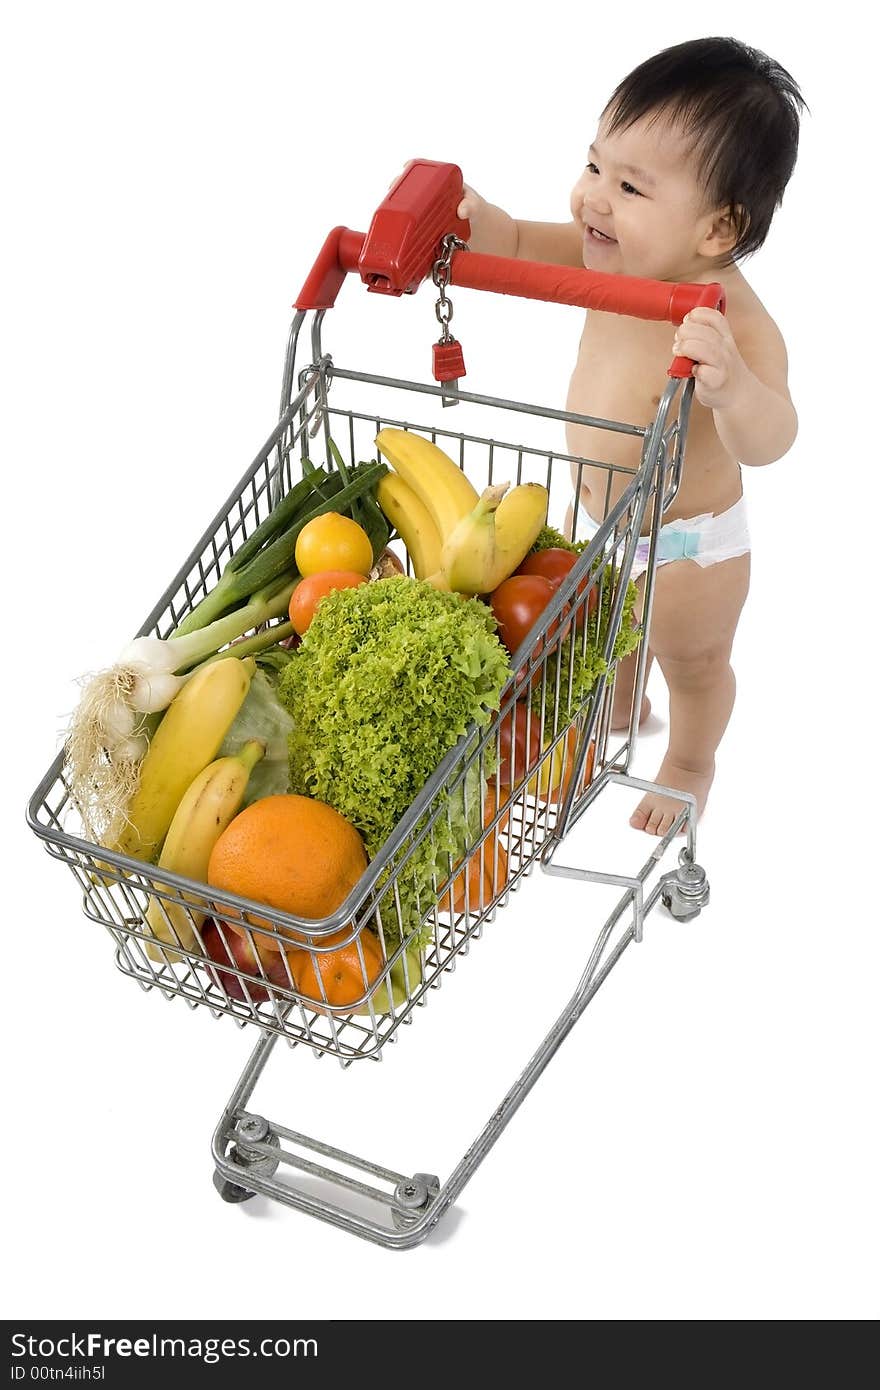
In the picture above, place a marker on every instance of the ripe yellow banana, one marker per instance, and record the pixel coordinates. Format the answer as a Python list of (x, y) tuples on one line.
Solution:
[(207, 807), (412, 519), (437, 482), (494, 538), (188, 738)]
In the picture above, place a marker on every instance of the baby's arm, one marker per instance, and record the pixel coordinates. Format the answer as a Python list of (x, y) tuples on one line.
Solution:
[(496, 233)]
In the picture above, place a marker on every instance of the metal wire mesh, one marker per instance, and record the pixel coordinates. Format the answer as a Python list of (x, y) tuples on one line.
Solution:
[(250, 969)]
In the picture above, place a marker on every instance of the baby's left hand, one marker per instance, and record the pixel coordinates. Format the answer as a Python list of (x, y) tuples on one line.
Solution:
[(704, 335)]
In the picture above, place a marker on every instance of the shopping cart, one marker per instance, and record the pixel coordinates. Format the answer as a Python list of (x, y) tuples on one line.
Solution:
[(416, 234)]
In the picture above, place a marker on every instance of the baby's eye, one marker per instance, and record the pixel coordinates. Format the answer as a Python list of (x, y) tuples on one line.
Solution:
[(627, 187)]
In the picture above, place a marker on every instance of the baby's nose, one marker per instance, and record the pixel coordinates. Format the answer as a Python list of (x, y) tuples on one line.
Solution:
[(596, 203)]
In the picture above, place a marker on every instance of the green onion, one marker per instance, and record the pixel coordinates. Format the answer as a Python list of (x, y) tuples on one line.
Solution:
[(239, 581), (281, 515)]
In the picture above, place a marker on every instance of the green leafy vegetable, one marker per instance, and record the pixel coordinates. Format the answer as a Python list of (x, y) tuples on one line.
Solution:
[(549, 538), (586, 666), (387, 679), (262, 717), (457, 826)]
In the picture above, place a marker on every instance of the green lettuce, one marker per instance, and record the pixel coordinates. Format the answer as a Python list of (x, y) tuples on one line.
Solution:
[(387, 678), (587, 664)]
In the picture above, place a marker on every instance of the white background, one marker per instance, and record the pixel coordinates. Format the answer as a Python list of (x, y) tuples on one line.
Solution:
[(705, 1144)]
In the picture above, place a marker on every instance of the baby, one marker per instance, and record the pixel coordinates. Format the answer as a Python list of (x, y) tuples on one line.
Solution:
[(690, 160)]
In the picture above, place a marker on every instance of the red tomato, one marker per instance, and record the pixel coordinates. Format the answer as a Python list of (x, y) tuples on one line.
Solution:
[(309, 592), (555, 564), (518, 604), (518, 752)]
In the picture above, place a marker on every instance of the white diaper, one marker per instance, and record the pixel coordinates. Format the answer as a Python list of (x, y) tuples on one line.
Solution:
[(707, 539)]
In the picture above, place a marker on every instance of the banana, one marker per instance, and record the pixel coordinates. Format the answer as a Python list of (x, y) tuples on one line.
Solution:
[(188, 738), (207, 807), (437, 482), (412, 519), (489, 543)]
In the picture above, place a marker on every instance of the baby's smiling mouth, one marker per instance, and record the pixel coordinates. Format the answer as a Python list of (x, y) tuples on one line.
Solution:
[(596, 235)]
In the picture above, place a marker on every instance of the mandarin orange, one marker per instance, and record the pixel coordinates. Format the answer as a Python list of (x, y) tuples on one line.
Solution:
[(337, 977)]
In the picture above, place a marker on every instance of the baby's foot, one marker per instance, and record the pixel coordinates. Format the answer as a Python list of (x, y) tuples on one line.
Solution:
[(620, 721), (655, 812)]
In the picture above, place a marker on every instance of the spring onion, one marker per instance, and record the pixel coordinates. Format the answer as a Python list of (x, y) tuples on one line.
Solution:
[(263, 568)]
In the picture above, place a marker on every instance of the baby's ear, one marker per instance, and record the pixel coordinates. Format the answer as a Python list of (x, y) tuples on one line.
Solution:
[(727, 227)]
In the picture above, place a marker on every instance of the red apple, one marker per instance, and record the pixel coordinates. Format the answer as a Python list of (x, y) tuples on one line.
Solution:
[(237, 951)]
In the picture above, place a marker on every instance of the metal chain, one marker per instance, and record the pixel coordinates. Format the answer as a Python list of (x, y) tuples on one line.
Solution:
[(440, 276)]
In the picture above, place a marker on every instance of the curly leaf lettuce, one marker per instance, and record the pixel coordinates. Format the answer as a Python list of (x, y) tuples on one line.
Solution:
[(587, 665), (387, 678)]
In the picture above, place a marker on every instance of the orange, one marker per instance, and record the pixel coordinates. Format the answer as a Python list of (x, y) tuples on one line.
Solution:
[(477, 885), (309, 592), (344, 979), (294, 853), (477, 888)]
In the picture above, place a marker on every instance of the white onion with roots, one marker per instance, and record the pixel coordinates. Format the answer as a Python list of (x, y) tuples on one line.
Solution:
[(104, 750)]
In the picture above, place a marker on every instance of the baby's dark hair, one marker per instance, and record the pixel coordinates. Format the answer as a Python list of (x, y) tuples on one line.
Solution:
[(740, 110)]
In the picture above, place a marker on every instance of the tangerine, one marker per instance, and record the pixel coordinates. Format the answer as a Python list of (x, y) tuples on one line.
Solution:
[(294, 853), (337, 977), (477, 884)]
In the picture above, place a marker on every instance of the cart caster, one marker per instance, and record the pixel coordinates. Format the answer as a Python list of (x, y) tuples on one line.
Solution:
[(230, 1191), (411, 1197), (685, 890), (250, 1129)]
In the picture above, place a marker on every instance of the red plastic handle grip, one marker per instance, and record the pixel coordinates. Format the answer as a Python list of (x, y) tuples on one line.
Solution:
[(659, 300)]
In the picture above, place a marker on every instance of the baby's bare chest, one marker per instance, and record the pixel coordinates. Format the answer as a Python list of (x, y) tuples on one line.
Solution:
[(620, 375)]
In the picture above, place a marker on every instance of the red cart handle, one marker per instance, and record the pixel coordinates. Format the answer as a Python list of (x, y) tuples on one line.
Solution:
[(404, 240)]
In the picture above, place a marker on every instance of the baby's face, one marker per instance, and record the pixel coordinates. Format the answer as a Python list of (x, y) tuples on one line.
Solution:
[(640, 187)]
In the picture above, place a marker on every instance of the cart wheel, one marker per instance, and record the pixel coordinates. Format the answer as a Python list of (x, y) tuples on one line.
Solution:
[(686, 890), (230, 1191), (249, 1130)]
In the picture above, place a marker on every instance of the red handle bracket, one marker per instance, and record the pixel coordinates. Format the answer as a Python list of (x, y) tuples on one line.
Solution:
[(399, 250)]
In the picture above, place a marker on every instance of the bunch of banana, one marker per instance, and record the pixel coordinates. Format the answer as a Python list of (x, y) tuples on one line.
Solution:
[(208, 805), (187, 740), (424, 498), (455, 538)]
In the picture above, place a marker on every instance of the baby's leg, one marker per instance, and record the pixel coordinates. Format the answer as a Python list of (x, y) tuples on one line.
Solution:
[(624, 682), (694, 619), (625, 678)]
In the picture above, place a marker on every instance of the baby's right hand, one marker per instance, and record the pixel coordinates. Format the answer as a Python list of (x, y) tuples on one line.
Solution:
[(471, 205), (492, 229)]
